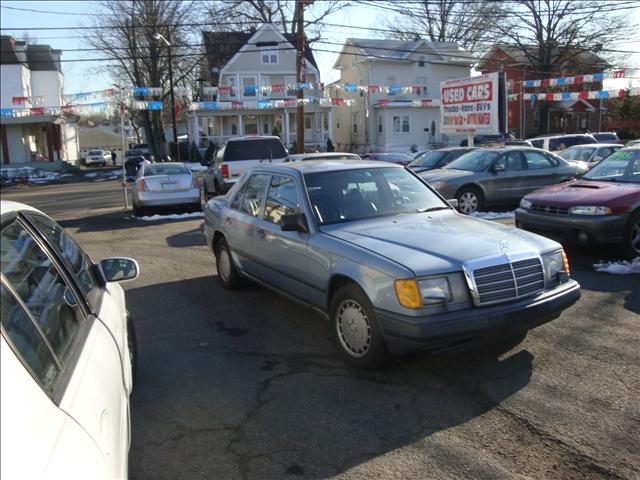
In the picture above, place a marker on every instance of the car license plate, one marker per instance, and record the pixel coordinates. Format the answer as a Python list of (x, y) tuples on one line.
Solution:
[(169, 185)]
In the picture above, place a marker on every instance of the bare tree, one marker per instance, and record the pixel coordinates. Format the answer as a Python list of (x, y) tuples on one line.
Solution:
[(241, 15), (125, 32), (461, 21)]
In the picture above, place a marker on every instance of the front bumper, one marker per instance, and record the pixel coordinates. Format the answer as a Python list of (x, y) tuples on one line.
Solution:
[(598, 228), (475, 326), (164, 199)]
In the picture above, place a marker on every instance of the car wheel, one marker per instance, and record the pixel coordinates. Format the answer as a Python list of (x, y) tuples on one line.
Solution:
[(132, 343), (631, 242), (470, 200), (227, 272), (355, 328)]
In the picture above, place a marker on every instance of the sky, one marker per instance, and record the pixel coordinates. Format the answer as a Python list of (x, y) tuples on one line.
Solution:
[(88, 76)]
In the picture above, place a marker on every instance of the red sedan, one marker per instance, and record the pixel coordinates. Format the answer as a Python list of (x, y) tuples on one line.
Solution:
[(603, 206)]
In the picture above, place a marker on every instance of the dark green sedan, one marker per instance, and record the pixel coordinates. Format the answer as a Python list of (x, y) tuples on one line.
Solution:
[(499, 176)]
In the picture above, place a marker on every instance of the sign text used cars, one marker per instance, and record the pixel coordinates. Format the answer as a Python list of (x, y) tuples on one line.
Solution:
[(470, 105)]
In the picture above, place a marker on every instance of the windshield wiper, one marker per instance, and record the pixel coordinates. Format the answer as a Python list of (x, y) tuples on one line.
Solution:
[(430, 209)]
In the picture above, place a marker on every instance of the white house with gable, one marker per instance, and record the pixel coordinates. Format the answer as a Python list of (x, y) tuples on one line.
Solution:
[(250, 89), (391, 90)]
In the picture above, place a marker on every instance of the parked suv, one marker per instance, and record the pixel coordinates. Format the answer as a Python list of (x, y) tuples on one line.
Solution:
[(556, 143), (98, 157), (236, 156), (488, 139)]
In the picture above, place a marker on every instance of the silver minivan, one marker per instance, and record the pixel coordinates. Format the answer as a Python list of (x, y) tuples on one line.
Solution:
[(236, 156)]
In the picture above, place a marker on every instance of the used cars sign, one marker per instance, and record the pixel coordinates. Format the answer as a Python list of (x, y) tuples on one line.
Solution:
[(471, 105)]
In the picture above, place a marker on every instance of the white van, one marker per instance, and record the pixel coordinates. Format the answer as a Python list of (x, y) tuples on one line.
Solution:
[(557, 143), (238, 155)]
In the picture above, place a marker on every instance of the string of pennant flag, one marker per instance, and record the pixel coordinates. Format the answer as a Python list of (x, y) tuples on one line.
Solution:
[(568, 96), (575, 80)]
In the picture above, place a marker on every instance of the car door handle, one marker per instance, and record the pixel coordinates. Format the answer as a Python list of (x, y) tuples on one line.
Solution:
[(227, 220), (260, 233)]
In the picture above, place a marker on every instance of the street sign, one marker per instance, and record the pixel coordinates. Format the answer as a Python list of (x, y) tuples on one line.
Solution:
[(473, 105)]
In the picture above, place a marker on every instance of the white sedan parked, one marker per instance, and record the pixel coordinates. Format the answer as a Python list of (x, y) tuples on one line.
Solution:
[(67, 354), (98, 157), (165, 184)]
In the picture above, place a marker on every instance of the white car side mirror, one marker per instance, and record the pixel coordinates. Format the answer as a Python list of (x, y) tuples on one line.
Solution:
[(119, 269)]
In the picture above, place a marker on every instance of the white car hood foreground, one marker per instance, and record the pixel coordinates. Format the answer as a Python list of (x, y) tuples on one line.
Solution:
[(436, 242)]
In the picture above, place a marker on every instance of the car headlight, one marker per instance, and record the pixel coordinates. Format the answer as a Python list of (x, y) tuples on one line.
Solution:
[(415, 294), (580, 210), (556, 265), (435, 290), (524, 203), (437, 185)]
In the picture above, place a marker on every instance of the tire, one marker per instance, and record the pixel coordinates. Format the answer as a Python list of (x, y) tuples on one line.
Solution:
[(362, 344), (195, 207), (132, 343), (139, 211), (470, 200), (631, 239), (227, 273)]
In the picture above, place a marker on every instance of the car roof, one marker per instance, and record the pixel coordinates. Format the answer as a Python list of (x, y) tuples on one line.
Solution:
[(558, 135), (9, 206), (316, 166), (253, 137), (321, 155), (595, 145)]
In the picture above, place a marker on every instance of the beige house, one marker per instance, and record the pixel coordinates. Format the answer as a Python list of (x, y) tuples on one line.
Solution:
[(393, 80), (250, 89)]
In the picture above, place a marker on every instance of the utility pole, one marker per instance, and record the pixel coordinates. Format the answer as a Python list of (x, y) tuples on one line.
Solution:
[(124, 171), (301, 76), (174, 121)]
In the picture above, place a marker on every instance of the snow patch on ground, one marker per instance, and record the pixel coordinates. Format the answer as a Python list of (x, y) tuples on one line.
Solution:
[(173, 216), (620, 267), (493, 215), (27, 174)]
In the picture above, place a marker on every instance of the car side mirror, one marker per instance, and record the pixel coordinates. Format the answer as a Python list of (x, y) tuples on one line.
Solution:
[(453, 202), (296, 222), (119, 269), (497, 167)]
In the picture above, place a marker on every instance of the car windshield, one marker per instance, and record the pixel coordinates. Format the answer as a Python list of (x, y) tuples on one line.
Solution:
[(347, 195), (164, 169), (428, 160), (258, 149), (476, 161), (393, 157), (621, 166), (606, 137), (580, 153)]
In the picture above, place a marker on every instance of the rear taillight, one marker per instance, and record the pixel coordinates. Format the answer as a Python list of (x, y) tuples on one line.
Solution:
[(142, 186), (194, 182), (225, 170)]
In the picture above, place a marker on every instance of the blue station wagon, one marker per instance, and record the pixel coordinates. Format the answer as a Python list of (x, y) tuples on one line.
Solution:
[(386, 260)]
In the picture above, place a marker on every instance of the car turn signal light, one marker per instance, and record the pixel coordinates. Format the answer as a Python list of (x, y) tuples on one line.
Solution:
[(408, 293), (142, 186), (565, 263)]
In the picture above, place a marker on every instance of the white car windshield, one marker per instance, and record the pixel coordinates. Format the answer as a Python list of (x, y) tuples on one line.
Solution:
[(622, 166), (347, 195)]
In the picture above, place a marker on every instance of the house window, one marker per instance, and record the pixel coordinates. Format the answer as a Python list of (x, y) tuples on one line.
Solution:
[(234, 127), (307, 122), (291, 86), (250, 125), (422, 83), (269, 56), (421, 61), (325, 122), (401, 124), (231, 82), (264, 86), (249, 86)]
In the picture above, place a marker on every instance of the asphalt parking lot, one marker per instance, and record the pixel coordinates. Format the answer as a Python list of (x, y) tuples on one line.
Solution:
[(246, 384)]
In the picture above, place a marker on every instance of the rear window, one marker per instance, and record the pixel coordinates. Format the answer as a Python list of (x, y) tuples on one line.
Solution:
[(259, 149), (561, 143), (160, 169), (95, 152), (606, 137), (537, 143)]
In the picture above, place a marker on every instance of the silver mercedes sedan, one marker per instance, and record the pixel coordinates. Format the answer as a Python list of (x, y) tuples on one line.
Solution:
[(165, 185), (384, 258)]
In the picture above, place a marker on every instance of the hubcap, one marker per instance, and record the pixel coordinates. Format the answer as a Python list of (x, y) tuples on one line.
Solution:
[(635, 237), (224, 264), (468, 202), (354, 329)]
